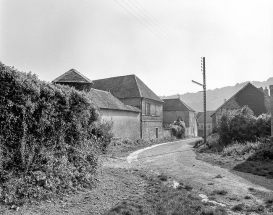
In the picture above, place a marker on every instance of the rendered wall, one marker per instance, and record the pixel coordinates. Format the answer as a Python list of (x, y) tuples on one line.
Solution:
[(125, 124)]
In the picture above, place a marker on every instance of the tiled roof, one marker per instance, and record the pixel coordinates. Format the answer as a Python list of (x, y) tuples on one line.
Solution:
[(72, 76), (129, 86), (208, 117), (106, 100), (175, 105)]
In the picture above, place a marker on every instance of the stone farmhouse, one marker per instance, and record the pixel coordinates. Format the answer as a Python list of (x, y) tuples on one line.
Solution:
[(255, 98), (175, 108), (130, 90), (135, 110), (200, 119), (125, 118)]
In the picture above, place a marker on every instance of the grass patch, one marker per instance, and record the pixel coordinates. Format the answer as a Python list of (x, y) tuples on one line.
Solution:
[(161, 199)]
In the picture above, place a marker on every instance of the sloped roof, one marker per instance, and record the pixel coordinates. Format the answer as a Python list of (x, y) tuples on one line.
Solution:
[(106, 100), (248, 84), (198, 114), (129, 86), (208, 117), (72, 76), (175, 105)]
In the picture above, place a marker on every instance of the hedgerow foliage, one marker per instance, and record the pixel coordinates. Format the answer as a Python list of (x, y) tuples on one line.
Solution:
[(242, 126), (49, 137)]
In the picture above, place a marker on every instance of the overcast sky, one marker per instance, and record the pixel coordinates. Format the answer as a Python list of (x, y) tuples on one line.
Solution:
[(161, 42)]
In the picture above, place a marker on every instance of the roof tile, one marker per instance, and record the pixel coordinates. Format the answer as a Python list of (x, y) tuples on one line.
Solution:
[(175, 105), (129, 86)]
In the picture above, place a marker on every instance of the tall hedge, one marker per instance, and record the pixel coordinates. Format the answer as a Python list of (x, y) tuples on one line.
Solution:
[(49, 137)]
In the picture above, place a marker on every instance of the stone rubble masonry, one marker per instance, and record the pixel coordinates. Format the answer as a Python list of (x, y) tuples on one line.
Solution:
[(271, 107)]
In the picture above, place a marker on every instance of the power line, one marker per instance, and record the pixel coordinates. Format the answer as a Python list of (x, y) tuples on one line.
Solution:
[(157, 23), (146, 26), (150, 24)]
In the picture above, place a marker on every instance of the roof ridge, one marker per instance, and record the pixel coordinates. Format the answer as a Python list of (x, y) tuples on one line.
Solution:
[(233, 97), (58, 78), (114, 77), (71, 70), (74, 70), (140, 94)]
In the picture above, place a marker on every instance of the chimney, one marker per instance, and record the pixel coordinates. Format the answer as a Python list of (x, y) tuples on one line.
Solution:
[(261, 88), (271, 107), (266, 91)]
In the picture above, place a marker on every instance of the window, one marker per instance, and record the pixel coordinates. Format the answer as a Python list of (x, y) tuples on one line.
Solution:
[(147, 109)]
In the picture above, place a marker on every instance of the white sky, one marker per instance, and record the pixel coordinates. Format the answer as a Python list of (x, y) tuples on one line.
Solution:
[(100, 39)]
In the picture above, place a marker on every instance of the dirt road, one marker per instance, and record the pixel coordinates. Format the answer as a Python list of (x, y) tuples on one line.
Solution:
[(177, 159)]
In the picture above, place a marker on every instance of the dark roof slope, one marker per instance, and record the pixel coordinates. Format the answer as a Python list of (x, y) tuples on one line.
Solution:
[(106, 100), (208, 117), (244, 92), (129, 86), (198, 114), (175, 105), (72, 76)]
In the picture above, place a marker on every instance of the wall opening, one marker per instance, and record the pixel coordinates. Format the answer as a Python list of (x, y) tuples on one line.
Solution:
[(156, 132)]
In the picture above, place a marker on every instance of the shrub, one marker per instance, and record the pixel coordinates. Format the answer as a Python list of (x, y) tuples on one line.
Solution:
[(213, 140), (242, 126), (49, 137), (178, 128)]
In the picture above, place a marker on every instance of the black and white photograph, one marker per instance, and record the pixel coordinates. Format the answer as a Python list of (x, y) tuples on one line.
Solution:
[(133, 107)]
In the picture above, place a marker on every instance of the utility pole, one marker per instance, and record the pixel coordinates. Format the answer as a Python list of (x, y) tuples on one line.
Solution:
[(203, 69), (203, 66)]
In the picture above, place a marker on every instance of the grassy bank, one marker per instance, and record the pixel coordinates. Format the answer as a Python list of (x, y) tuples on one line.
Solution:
[(161, 198)]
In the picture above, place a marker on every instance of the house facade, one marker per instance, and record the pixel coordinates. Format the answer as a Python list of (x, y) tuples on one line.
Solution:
[(255, 98), (125, 119), (201, 126), (176, 108), (130, 90)]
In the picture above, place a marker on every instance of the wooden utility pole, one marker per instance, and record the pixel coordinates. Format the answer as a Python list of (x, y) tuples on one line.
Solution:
[(203, 67)]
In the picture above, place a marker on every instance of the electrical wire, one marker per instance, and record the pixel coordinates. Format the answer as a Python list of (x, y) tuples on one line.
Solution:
[(159, 25)]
